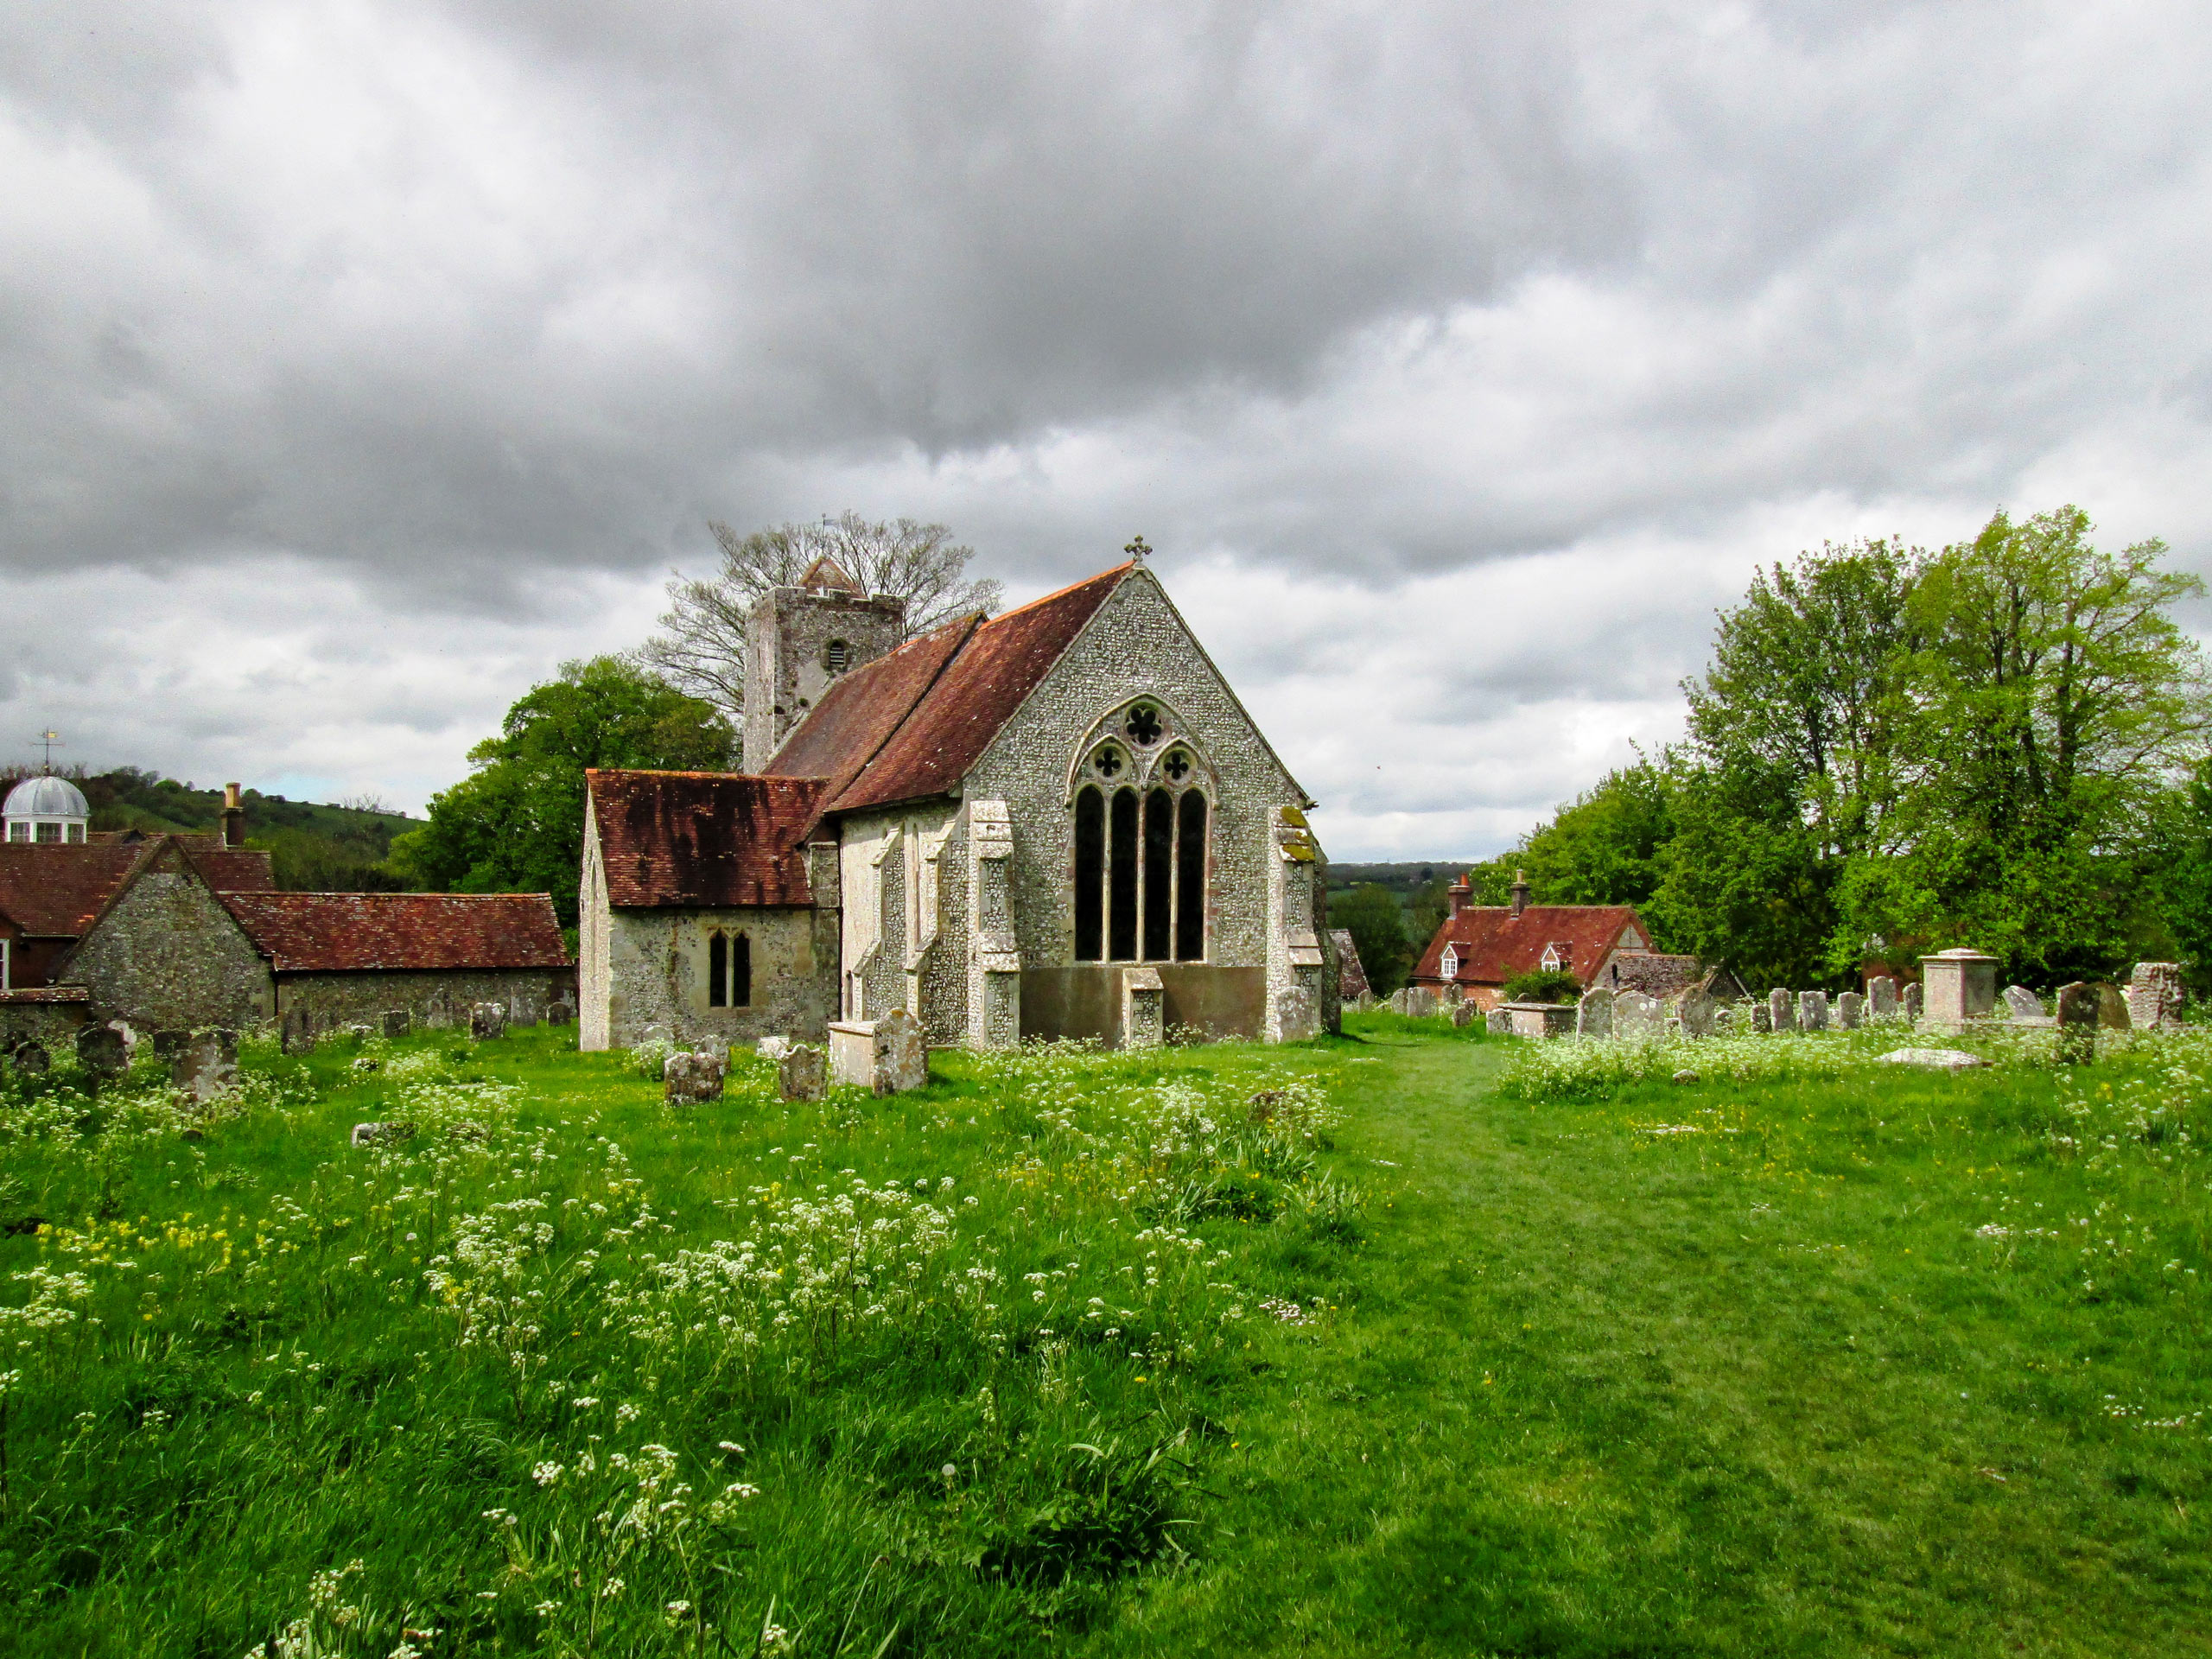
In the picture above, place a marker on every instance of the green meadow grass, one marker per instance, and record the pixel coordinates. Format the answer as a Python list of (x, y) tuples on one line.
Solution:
[(1395, 1361)]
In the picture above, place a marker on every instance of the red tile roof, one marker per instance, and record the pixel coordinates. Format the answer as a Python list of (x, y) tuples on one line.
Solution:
[(45, 994), (703, 837), (1493, 944), (359, 933), (53, 891), (911, 724)]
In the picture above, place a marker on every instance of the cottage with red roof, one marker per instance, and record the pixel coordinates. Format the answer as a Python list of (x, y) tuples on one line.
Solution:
[(1060, 822), (1479, 947)]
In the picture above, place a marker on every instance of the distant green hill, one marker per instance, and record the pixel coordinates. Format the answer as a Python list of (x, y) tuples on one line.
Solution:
[(313, 847), (1403, 879)]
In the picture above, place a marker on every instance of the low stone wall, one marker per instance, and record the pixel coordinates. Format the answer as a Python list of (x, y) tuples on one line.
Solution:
[(430, 998), (50, 1018)]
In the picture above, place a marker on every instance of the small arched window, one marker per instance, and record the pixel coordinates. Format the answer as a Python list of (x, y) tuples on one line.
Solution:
[(1090, 871), (729, 971), (836, 656), (717, 970)]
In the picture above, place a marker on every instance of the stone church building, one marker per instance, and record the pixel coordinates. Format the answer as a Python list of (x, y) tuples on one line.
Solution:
[(1058, 822)]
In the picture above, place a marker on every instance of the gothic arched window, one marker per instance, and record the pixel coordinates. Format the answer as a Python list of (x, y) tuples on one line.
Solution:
[(717, 970), (1090, 871), (740, 972), (729, 971), (1191, 878)]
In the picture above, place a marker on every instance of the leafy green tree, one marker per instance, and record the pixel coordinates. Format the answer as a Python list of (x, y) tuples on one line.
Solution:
[(1609, 847), (516, 823), (1542, 985), (1377, 924)]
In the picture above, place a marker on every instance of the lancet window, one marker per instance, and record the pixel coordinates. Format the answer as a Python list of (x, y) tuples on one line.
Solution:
[(1141, 813), (729, 971)]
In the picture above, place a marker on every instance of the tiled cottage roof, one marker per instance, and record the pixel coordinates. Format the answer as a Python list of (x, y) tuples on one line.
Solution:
[(53, 891), (1493, 944), (359, 933), (911, 723), (707, 838)]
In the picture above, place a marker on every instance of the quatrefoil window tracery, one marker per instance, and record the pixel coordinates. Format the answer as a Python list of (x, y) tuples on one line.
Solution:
[(1143, 725), (1107, 761)]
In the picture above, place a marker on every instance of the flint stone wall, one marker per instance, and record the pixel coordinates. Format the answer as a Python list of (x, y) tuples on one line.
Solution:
[(169, 957), (435, 999), (655, 964), (54, 1026)]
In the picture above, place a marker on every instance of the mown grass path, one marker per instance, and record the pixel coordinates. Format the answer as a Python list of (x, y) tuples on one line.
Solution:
[(1759, 1388)]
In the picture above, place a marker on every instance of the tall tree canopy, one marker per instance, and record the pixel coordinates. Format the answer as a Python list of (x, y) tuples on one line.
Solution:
[(701, 647), (1377, 924), (516, 823)]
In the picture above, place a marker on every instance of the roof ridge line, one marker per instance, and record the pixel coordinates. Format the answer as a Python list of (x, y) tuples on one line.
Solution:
[(975, 620), (1041, 599)]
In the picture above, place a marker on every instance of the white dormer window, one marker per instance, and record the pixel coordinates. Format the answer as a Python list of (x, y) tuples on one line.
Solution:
[(1449, 967), (1551, 959)]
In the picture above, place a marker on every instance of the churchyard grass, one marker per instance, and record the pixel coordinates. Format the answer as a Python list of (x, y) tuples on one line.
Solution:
[(1816, 1358)]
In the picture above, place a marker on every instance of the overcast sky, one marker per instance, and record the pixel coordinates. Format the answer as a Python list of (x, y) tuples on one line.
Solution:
[(359, 362)]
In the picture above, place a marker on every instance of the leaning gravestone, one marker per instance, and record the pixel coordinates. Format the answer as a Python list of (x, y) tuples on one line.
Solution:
[(102, 1052), (2021, 1003), (803, 1072), (1636, 1014), (902, 1054), (1593, 1015), (1881, 997), (206, 1064), (1700, 1014), (1850, 1010), (1813, 1010), (397, 1022), (1780, 1009), (2077, 1024), (1912, 1002), (2111, 1007), (30, 1055), (687, 1079), (773, 1048), (487, 1021), (1498, 1023), (1762, 1016)]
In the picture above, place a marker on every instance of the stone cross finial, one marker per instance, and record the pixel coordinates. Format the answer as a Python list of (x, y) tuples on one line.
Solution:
[(1137, 550)]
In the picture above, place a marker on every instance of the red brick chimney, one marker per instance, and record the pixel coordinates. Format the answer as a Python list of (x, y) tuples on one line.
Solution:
[(233, 817), (1520, 893), (1462, 894)]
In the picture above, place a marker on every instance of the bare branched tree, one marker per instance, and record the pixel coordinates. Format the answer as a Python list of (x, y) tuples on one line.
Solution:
[(701, 642)]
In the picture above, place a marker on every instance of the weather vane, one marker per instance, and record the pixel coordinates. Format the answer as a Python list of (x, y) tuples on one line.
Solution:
[(1137, 550), (49, 738)]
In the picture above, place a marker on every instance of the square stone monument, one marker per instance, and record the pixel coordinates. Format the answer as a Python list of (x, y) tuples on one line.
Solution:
[(1958, 986)]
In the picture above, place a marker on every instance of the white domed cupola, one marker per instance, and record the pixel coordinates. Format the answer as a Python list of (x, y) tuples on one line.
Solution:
[(46, 808)]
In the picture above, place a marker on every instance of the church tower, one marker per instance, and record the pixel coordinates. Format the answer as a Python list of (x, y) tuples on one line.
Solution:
[(802, 640)]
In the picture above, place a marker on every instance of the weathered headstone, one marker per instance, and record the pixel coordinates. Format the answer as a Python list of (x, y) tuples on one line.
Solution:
[(803, 1072), (1813, 1010), (168, 1045), (1723, 1018), (1498, 1022), (30, 1056), (2111, 1007), (1144, 1010), (1636, 1014), (487, 1021), (1912, 1000), (206, 1064), (687, 1079), (2021, 1003), (1762, 1016), (101, 1052), (379, 1134), (1593, 1015), (902, 1054), (1850, 1010), (773, 1048), (562, 1010), (296, 1034), (2077, 1024), (1881, 997), (2155, 995), (397, 1022), (1781, 1010), (1699, 1015), (1463, 1014)]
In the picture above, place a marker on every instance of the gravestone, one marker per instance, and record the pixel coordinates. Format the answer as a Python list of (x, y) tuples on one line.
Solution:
[(1636, 1014), (2111, 1007), (397, 1022), (1700, 1014), (206, 1064), (2077, 1024), (1850, 1010), (803, 1072), (1762, 1016), (773, 1048), (1934, 1059), (379, 1134), (102, 1052), (2021, 1003), (1593, 1015), (168, 1045), (1912, 1002), (1723, 1018), (562, 1010), (1144, 1010), (487, 1021), (1463, 1015), (2155, 995), (1881, 997), (297, 1032), (1498, 1022), (521, 1010), (1813, 1010), (1960, 985), (902, 1054), (687, 1079), (1782, 1011), (29, 1056)]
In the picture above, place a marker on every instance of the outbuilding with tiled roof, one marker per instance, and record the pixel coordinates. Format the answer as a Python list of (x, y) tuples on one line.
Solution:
[(1477, 948)]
